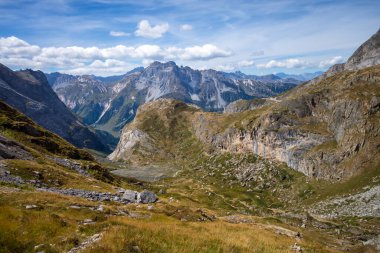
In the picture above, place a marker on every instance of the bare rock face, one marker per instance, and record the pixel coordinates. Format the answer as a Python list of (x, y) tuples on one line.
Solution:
[(130, 140)]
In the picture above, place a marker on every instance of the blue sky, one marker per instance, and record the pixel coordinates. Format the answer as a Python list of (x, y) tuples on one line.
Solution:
[(107, 37)]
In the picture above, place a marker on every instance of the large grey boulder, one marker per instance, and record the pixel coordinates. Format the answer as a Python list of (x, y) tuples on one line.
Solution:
[(146, 197), (130, 195)]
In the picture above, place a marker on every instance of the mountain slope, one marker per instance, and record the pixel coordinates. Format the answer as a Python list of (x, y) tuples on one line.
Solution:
[(55, 198), (29, 92), (326, 129)]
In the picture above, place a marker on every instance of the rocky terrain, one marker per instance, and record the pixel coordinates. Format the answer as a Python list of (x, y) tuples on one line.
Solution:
[(364, 204), (29, 92)]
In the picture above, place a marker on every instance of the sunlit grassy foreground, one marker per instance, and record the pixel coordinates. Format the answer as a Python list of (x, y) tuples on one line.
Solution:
[(55, 226)]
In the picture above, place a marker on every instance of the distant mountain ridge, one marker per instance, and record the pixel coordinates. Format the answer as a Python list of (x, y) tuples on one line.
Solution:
[(301, 77), (29, 92), (109, 106)]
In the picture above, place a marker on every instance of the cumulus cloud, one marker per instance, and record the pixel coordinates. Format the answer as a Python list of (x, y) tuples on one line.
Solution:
[(207, 51), (300, 63), (330, 62), (186, 27), (15, 46), (144, 29), (288, 63), (105, 68), (18, 53), (119, 34)]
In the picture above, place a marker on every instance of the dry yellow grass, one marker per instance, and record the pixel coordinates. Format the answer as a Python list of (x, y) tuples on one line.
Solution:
[(163, 234)]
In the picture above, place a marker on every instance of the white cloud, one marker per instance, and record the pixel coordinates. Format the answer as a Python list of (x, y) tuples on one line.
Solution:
[(148, 51), (186, 27), (245, 63), (330, 62), (207, 51), (288, 63), (13, 46), (104, 68), (300, 63), (119, 34), (18, 53), (144, 29)]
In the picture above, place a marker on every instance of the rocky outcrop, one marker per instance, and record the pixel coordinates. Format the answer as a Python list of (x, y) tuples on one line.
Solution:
[(10, 149), (130, 140), (364, 204)]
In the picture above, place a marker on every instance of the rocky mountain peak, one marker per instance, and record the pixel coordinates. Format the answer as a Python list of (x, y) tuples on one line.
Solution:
[(368, 54)]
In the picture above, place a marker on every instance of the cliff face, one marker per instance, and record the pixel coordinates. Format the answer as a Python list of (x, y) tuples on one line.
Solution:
[(328, 130), (334, 134)]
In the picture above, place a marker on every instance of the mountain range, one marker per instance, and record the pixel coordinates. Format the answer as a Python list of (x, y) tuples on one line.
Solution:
[(109, 105)]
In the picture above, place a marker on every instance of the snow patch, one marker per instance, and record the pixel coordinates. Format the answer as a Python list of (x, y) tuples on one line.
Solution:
[(106, 107)]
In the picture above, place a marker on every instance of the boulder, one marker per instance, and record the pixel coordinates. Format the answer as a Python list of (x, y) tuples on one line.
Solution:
[(146, 197), (130, 195)]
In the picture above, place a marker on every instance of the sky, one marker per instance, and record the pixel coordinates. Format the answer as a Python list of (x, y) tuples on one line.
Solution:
[(105, 37)]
